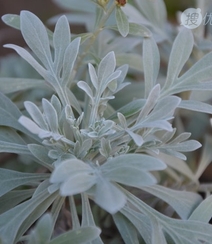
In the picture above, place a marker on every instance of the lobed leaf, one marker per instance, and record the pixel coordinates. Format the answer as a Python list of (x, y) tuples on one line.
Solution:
[(10, 179)]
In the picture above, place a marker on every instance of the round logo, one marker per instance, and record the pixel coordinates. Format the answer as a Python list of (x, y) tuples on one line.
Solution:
[(191, 18)]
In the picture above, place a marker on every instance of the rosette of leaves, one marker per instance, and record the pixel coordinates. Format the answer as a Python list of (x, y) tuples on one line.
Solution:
[(92, 155)]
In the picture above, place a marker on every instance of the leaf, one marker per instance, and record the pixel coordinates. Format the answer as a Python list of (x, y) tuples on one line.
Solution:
[(203, 212), (126, 229), (108, 196), (77, 183), (134, 61), (130, 109), (122, 22), (29, 58), (69, 60), (10, 179), (183, 202), (205, 158), (93, 76), (8, 147), (16, 221), (157, 233), (67, 168), (185, 231), (41, 153), (178, 165), (35, 35), (139, 30), (144, 162), (136, 138), (106, 67), (86, 88), (50, 115), (36, 114), (13, 198), (42, 232), (74, 175), (12, 20), (79, 236), (196, 106), (131, 176), (74, 215), (9, 85), (151, 64), (150, 102), (83, 6), (87, 217), (140, 222), (29, 125), (61, 39), (180, 53)]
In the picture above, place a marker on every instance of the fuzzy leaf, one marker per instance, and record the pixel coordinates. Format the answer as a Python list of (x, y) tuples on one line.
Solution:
[(13, 198), (180, 53), (77, 183), (35, 35), (29, 58), (36, 114), (8, 147), (106, 67), (126, 229), (41, 153), (9, 85), (86, 88), (183, 202), (122, 22), (12, 20), (15, 222), (69, 60), (196, 106), (61, 39), (79, 236), (108, 196), (203, 212), (10, 179), (93, 76), (151, 63), (131, 176), (50, 115), (42, 232), (144, 162)]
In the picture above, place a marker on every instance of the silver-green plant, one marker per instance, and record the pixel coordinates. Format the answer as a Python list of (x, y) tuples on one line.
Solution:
[(92, 152)]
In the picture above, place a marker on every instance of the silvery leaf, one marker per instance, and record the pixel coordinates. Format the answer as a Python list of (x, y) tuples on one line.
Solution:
[(86, 88), (150, 102), (50, 115), (136, 138), (69, 59), (122, 22), (106, 67), (36, 114), (108, 196), (61, 39), (93, 76), (35, 35), (29, 58), (183, 42), (151, 64)]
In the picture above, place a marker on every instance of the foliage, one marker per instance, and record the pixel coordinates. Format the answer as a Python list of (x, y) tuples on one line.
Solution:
[(106, 161)]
